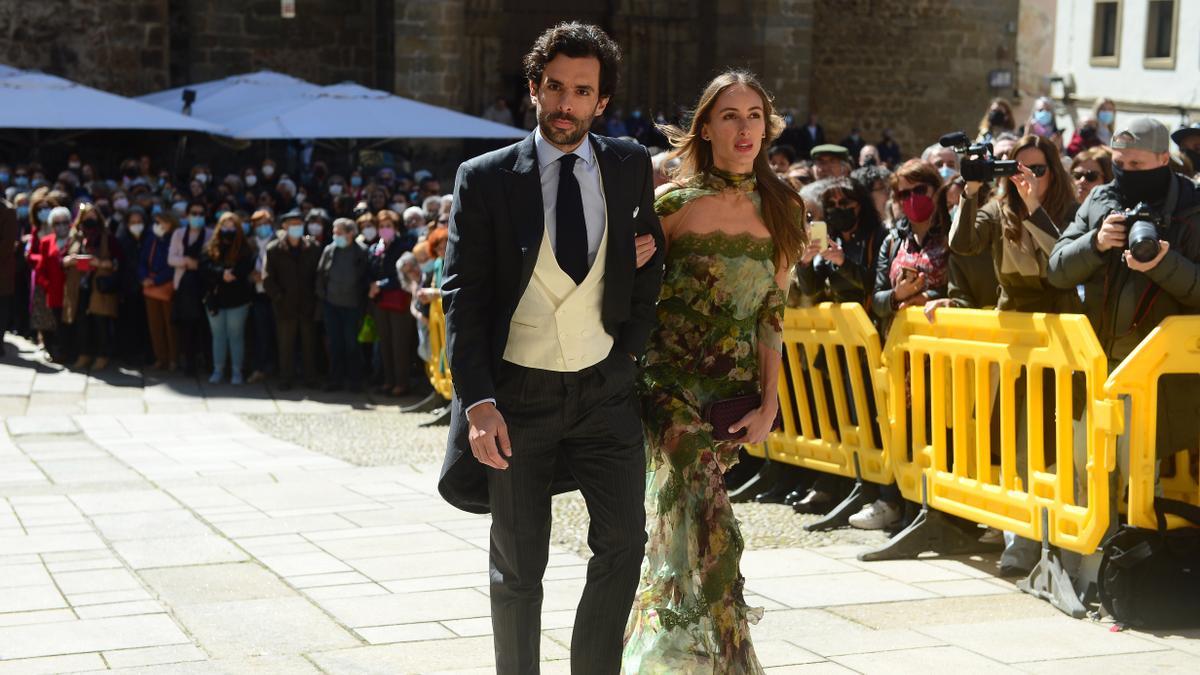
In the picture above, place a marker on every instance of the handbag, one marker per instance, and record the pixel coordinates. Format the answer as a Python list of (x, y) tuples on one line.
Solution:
[(367, 334), (161, 292), (394, 300), (726, 412), (1151, 578)]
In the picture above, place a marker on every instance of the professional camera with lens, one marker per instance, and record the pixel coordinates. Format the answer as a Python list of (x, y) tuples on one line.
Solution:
[(977, 163), (1143, 232)]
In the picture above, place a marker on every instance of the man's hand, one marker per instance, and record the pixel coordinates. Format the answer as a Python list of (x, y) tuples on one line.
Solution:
[(914, 301), (1112, 233), (933, 305), (426, 295), (1136, 266), (373, 290), (645, 249), (228, 276), (489, 436), (147, 282)]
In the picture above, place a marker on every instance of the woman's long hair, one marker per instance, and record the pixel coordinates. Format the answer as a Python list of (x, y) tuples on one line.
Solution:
[(1060, 198), (213, 247), (782, 209)]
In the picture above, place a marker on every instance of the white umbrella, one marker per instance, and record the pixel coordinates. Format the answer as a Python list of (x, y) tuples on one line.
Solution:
[(350, 110), (226, 98), (8, 71), (35, 100)]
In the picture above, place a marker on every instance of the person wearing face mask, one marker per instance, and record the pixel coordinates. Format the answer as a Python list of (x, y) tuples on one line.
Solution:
[(943, 160), (46, 249), (260, 230), (133, 338), (1188, 140), (1125, 296), (187, 308), (997, 120), (290, 281), (391, 305), (157, 279), (316, 223), (342, 287), (228, 262), (90, 296), (1042, 121)]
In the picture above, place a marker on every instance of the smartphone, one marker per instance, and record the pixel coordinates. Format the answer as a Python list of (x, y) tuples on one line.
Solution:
[(909, 274), (818, 233)]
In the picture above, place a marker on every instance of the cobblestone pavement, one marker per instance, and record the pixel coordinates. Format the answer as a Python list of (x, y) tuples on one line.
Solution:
[(146, 528)]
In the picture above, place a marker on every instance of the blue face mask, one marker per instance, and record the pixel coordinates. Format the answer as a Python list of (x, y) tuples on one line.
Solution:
[(246, 227), (195, 222), (1106, 116), (23, 212), (341, 242), (946, 172), (3, 176), (1043, 117), (21, 181), (156, 209), (356, 181), (295, 231), (218, 214), (43, 215), (265, 231)]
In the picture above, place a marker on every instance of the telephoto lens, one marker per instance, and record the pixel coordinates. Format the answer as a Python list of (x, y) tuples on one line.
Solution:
[(1143, 240)]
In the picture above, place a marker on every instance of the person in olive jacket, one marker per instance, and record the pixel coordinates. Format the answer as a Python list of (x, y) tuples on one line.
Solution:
[(289, 279)]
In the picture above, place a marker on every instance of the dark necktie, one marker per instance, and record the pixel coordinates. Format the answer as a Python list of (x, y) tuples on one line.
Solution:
[(571, 248)]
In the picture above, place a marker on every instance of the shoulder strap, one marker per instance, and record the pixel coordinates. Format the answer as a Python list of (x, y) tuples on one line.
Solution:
[(1163, 506)]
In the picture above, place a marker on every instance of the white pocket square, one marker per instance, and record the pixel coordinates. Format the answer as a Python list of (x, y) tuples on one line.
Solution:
[(635, 211)]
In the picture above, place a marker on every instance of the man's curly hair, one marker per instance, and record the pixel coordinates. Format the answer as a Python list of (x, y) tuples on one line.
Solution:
[(575, 40)]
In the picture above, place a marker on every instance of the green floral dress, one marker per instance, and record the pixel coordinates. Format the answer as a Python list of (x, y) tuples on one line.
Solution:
[(719, 302)]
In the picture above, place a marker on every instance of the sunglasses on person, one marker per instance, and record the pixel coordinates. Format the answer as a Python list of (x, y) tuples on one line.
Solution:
[(1089, 176), (922, 190), (1038, 170)]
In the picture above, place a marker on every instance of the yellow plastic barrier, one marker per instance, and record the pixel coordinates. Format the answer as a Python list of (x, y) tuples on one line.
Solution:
[(438, 368), (1173, 347), (827, 392), (940, 401)]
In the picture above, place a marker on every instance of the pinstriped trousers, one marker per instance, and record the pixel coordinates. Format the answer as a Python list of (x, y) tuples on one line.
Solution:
[(589, 423)]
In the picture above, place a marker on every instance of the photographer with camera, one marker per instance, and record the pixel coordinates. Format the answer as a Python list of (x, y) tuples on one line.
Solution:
[(1134, 253)]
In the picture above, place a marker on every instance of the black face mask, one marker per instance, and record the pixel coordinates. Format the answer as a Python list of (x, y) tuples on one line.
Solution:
[(1147, 186), (227, 236), (840, 220), (997, 118)]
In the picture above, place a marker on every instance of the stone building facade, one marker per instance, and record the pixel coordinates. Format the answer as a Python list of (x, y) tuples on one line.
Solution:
[(919, 67)]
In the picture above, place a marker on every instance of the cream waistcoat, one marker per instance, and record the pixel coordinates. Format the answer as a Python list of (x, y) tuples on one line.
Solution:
[(557, 324)]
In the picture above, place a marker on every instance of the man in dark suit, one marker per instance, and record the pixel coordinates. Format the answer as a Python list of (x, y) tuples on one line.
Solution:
[(546, 314)]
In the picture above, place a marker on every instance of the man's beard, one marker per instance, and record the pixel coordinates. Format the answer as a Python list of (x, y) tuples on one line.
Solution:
[(563, 136)]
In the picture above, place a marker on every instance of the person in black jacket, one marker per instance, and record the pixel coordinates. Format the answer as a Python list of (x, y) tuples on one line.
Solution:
[(133, 335), (227, 264)]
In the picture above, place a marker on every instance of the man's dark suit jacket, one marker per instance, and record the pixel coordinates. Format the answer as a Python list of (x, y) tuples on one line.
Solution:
[(496, 229)]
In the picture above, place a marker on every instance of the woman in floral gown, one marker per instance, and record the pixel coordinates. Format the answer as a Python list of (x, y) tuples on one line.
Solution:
[(733, 230)]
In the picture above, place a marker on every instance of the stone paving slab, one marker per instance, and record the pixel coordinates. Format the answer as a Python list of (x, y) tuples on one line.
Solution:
[(185, 541)]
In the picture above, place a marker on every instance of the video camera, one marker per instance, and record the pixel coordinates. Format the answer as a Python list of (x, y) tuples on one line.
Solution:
[(978, 163), (1143, 232)]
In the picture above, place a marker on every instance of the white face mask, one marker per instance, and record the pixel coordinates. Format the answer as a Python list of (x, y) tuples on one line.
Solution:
[(315, 228), (268, 170), (202, 177), (136, 229), (335, 189), (369, 233), (159, 230), (121, 204), (251, 180)]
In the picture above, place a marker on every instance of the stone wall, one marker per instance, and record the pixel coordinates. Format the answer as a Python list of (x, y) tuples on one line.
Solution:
[(116, 45), (919, 67)]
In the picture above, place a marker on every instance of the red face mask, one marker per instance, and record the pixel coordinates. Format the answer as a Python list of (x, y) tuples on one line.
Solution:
[(917, 207)]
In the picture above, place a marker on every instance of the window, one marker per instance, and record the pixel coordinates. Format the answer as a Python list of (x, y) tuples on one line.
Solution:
[(1160, 33), (1106, 33)]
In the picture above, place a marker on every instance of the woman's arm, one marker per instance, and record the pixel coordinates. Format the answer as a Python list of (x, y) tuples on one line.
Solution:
[(758, 422), (175, 257), (973, 227)]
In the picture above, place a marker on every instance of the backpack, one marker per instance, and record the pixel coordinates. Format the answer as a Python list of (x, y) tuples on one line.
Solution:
[(1151, 578)]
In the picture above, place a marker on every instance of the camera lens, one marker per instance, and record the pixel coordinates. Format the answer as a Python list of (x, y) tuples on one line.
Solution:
[(1143, 241)]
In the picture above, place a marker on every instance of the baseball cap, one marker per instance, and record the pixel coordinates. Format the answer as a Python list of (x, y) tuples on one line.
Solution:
[(1144, 133), (1183, 132)]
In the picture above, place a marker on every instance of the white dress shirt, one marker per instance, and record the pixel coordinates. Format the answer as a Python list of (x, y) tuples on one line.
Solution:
[(587, 174)]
